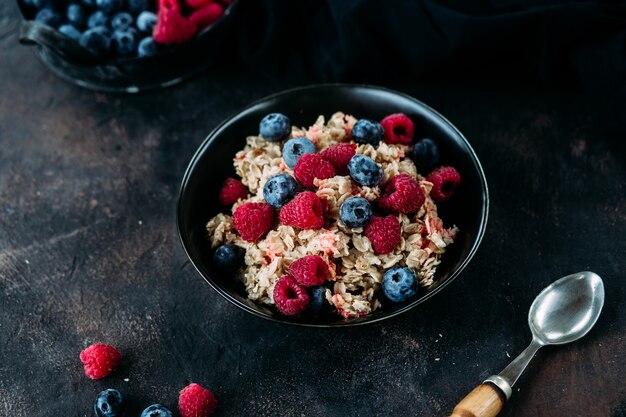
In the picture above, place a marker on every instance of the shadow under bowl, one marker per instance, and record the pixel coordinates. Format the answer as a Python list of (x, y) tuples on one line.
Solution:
[(212, 163)]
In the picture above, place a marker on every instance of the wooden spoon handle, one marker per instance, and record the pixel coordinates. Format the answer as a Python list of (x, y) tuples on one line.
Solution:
[(484, 401)]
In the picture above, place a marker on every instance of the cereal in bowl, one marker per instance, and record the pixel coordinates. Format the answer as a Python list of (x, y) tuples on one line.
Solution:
[(336, 217)]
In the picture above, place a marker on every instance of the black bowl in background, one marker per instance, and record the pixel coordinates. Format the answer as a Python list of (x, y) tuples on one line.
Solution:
[(212, 163), (70, 61)]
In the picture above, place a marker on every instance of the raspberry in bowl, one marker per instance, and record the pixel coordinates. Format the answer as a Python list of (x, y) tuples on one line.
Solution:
[(127, 45), (338, 226)]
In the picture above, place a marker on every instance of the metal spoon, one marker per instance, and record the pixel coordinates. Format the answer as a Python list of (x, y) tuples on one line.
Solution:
[(562, 313)]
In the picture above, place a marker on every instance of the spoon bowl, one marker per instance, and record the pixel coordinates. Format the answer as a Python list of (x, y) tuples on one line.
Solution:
[(567, 309)]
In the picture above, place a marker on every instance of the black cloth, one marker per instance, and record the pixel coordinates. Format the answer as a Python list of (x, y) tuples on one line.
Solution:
[(378, 40)]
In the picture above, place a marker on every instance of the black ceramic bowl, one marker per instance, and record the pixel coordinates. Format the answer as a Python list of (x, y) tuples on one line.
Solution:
[(73, 63), (212, 163)]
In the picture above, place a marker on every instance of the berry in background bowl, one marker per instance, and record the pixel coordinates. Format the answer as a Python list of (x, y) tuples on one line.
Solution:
[(310, 293), (127, 45)]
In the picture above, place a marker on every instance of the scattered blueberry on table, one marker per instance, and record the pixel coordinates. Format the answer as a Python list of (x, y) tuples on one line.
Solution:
[(156, 410), (109, 403)]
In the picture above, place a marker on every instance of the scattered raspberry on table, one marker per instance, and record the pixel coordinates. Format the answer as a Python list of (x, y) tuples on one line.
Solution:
[(196, 401), (100, 360)]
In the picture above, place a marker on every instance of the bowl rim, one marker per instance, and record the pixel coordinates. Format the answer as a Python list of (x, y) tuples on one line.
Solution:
[(214, 134)]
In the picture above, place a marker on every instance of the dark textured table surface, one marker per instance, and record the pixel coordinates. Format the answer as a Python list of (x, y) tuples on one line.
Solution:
[(89, 253)]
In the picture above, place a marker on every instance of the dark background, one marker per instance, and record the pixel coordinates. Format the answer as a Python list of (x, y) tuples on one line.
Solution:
[(89, 250)]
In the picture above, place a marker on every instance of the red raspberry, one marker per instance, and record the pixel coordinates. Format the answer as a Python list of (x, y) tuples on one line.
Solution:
[(309, 271), (232, 190), (100, 360), (384, 233), (339, 156), (304, 211), (253, 220), (402, 194), (207, 15), (398, 129), (196, 401), (169, 5), (172, 27), (445, 181), (290, 297), (311, 166), (197, 4)]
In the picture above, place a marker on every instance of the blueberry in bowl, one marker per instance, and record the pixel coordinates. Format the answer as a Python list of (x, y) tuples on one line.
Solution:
[(319, 257), (128, 45)]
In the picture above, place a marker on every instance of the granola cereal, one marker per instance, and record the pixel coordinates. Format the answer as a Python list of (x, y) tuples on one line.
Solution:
[(356, 271)]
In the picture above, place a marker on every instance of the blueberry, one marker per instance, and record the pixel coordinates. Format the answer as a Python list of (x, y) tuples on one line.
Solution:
[(109, 403), (146, 21), (399, 283), (49, 16), (156, 410), (355, 212), (89, 3), (97, 19), (294, 148), (368, 131), (364, 170), (121, 21), (109, 6), (97, 41), (70, 31), (228, 257), (318, 302), (425, 155), (76, 15), (147, 47), (275, 127), (137, 6), (279, 189), (125, 42), (37, 4)]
